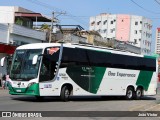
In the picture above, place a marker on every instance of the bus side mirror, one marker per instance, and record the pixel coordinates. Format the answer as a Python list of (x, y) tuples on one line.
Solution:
[(2, 61), (35, 59)]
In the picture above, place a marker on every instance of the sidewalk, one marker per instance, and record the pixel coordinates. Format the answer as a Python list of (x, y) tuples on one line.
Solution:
[(2, 88)]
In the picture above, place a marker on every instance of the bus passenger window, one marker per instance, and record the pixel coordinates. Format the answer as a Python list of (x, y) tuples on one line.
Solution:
[(48, 68)]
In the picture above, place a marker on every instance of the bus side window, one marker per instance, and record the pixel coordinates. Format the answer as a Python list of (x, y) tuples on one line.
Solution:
[(44, 70), (48, 69), (44, 73)]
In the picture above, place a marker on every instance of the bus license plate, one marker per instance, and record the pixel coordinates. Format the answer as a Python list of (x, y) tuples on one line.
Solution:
[(18, 90)]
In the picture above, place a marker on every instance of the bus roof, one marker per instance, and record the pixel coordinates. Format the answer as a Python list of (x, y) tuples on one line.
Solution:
[(38, 45), (83, 46)]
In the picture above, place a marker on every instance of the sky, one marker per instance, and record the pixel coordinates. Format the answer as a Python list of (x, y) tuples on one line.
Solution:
[(79, 11)]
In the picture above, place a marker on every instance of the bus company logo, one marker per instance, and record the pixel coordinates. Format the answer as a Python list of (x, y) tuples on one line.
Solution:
[(51, 51), (21, 114), (6, 114)]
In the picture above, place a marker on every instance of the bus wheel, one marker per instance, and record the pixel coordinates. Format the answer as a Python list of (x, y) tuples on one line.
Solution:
[(130, 93), (65, 93), (139, 93)]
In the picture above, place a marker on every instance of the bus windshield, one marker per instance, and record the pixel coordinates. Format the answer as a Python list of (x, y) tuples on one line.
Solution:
[(22, 68)]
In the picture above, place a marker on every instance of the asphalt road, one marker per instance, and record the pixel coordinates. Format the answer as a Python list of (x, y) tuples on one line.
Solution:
[(29, 103)]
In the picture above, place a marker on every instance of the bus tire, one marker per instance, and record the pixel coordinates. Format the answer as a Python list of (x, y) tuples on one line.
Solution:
[(65, 93), (130, 93), (139, 93)]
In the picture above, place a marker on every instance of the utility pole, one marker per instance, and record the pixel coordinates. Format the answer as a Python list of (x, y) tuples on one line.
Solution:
[(53, 18), (50, 36)]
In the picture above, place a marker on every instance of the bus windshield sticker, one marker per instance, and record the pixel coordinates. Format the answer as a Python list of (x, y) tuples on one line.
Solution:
[(51, 51)]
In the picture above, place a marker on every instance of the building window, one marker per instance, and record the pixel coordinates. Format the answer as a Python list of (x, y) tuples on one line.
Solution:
[(144, 33), (92, 23), (105, 30), (140, 22), (150, 27), (122, 20), (104, 22), (112, 30), (99, 30), (135, 41), (139, 39), (98, 23), (136, 23), (135, 32), (111, 22), (140, 31)]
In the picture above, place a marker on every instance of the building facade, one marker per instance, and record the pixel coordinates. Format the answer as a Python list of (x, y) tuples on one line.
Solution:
[(157, 48), (16, 28), (158, 41), (136, 30)]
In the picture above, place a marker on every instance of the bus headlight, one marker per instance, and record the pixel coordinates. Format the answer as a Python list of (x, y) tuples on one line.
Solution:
[(31, 84)]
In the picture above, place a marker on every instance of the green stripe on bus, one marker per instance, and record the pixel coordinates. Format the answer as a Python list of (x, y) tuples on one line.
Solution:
[(32, 90), (96, 80), (144, 79), (152, 57), (88, 78)]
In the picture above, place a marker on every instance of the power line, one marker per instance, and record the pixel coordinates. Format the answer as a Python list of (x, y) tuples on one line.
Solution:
[(144, 8), (44, 5), (158, 2), (84, 17), (57, 9)]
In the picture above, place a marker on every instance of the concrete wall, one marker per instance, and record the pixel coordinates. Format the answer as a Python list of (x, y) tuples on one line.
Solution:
[(107, 30), (27, 32), (146, 35), (123, 27), (110, 33), (136, 28), (6, 14), (10, 33), (3, 33), (2, 69), (21, 39), (157, 43)]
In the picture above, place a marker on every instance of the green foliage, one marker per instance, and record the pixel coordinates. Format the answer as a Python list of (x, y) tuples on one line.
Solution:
[(19, 21), (45, 26)]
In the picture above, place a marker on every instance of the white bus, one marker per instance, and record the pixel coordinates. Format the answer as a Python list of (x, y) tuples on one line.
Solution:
[(57, 69)]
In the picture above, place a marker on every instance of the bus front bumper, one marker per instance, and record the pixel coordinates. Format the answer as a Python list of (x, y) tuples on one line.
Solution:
[(32, 90)]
